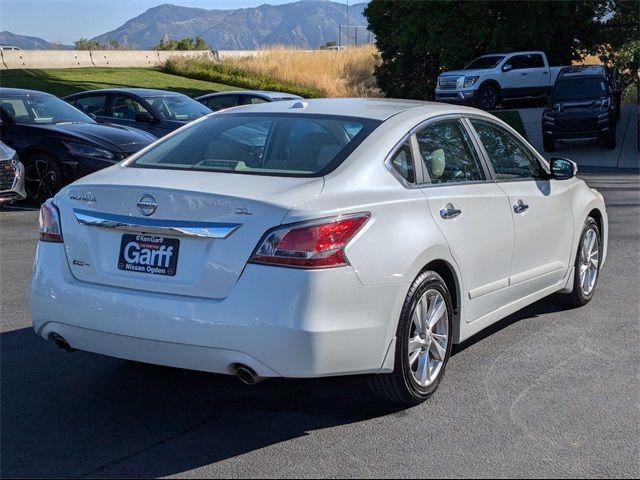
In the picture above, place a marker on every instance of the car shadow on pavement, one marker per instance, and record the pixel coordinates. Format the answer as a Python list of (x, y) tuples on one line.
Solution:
[(79, 414)]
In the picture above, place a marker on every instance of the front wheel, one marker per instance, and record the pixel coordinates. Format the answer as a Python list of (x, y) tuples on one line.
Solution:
[(587, 264), (549, 144), (42, 177), (423, 344), (488, 97), (610, 139)]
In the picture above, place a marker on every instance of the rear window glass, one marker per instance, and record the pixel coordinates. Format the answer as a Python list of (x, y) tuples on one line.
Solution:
[(267, 144)]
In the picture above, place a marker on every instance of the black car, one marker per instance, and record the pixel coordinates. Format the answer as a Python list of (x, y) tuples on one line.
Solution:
[(157, 111), (223, 100), (584, 105), (57, 143)]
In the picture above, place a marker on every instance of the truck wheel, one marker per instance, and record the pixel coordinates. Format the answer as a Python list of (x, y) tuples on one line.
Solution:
[(610, 139), (548, 143), (488, 97)]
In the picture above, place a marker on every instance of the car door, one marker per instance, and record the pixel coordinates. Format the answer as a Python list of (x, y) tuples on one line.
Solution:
[(95, 104), (523, 75), (540, 207), (123, 110), (472, 212)]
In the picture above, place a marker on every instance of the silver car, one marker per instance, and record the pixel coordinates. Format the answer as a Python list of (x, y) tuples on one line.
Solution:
[(11, 176)]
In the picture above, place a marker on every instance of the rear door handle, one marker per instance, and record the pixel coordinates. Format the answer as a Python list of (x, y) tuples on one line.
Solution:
[(450, 211), (520, 206)]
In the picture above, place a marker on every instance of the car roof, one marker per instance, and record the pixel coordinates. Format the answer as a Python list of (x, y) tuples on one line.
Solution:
[(583, 71), (504, 54), (20, 91), (262, 93), (134, 91), (371, 108)]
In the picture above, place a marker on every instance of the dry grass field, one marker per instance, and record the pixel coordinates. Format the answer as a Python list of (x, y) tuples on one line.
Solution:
[(344, 73)]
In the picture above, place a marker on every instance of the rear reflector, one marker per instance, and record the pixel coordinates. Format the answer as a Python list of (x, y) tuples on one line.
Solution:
[(318, 244), (49, 223)]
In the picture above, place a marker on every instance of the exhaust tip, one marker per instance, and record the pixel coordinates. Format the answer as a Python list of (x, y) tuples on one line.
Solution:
[(61, 343), (247, 376)]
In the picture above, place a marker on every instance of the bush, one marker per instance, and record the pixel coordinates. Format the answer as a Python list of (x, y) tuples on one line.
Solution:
[(212, 71)]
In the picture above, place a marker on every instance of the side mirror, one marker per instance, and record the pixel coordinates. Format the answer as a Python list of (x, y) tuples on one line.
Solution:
[(563, 168), (145, 117), (507, 67)]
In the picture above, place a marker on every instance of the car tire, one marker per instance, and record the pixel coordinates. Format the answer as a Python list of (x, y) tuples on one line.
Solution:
[(587, 264), (618, 107), (423, 344), (42, 177), (548, 143), (488, 97), (610, 139)]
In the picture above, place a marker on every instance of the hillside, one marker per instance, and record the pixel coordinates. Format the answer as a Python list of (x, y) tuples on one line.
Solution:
[(28, 43), (304, 24)]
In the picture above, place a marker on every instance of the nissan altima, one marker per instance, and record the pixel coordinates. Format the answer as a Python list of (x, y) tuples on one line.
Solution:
[(308, 239)]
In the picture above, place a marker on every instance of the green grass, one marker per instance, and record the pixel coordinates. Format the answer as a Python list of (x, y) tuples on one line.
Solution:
[(512, 118), (65, 81), (212, 71)]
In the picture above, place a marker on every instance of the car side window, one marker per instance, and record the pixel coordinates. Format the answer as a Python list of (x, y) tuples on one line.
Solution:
[(402, 162), (222, 102), (126, 108), (509, 157), (94, 104), (253, 100), (448, 154)]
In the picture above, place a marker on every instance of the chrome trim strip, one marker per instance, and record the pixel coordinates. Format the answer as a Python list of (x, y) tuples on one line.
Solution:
[(163, 227)]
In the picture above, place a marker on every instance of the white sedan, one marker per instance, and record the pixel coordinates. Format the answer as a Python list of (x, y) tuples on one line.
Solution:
[(309, 239)]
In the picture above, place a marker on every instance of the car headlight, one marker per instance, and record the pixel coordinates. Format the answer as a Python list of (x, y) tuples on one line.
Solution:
[(470, 81), (88, 151)]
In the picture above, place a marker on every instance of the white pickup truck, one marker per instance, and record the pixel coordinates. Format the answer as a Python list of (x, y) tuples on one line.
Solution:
[(489, 79)]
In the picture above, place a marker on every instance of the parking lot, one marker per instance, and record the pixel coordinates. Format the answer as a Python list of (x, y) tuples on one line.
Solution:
[(547, 392)]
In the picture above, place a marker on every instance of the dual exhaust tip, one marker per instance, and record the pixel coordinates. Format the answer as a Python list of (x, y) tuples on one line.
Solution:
[(245, 374)]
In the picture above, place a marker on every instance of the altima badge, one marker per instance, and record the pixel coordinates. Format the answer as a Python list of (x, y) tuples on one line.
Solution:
[(147, 205), (83, 198)]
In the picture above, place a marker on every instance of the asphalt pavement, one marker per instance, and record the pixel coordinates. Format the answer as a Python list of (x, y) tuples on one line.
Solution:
[(547, 392)]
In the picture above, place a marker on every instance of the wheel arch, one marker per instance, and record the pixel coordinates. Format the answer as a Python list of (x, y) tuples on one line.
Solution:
[(493, 83)]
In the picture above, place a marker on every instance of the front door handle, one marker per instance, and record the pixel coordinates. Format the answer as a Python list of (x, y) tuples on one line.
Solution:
[(450, 211), (520, 206)]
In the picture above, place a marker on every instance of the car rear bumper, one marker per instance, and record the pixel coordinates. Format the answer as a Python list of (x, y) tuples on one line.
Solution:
[(278, 321)]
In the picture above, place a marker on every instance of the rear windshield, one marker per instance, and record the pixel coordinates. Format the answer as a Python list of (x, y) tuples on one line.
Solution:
[(260, 143), (484, 63), (585, 88)]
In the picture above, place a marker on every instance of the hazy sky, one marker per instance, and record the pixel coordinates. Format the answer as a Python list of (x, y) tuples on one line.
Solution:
[(67, 20)]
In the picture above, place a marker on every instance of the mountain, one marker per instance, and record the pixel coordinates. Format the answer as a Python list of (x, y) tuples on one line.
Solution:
[(304, 24), (28, 43)]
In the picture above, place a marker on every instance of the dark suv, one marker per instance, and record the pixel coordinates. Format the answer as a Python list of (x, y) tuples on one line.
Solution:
[(584, 105)]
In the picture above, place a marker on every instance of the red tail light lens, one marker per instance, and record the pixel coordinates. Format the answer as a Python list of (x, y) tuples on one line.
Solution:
[(49, 221), (310, 245)]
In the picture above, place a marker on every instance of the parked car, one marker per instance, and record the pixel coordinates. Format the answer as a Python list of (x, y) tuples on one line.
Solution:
[(328, 237), (57, 142), (11, 176), (9, 47), (223, 100), (158, 112), (490, 79), (583, 106)]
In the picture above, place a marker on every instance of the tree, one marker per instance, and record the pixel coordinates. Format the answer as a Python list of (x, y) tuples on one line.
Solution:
[(84, 44), (186, 43), (417, 40)]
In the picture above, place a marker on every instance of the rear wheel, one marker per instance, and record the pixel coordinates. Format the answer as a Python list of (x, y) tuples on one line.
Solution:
[(549, 143), (488, 97), (423, 344), (42, 177), (587, 264)]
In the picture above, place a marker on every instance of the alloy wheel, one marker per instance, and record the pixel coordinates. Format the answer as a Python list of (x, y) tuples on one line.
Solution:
[(40, 179), (589, 261), (428, 338)]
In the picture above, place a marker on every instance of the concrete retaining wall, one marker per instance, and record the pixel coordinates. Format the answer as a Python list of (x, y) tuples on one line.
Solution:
[(34, 59)]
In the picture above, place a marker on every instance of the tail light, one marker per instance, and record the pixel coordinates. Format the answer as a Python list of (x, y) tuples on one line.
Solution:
[(49, 221), (318, 244)]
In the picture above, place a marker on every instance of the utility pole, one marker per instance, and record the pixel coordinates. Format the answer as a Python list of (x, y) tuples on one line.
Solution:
[(348, 23)]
